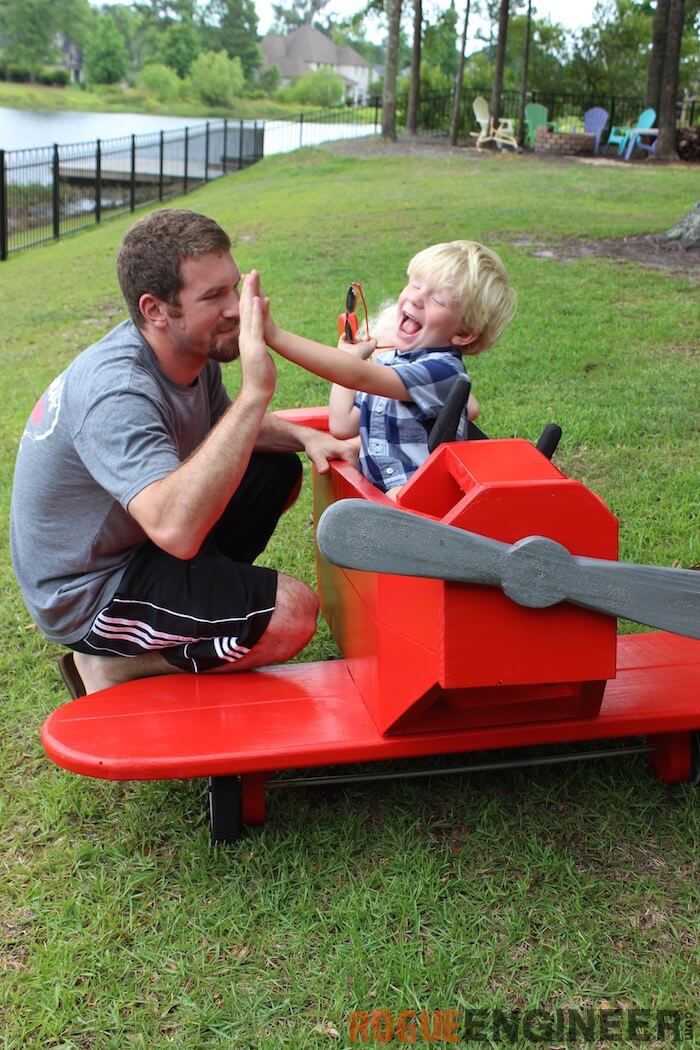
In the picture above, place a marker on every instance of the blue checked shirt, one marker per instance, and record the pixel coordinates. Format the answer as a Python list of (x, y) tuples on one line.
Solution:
[(394, 434)]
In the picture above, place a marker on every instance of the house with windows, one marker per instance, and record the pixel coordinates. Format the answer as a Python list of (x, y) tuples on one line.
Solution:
[(307, 49)]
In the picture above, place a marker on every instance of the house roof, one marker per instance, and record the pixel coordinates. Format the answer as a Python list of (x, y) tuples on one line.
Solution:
[(294, 52)]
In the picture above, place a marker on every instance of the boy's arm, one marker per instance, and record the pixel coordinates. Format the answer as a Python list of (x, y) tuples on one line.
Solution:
[(346, 370), (343, 414)]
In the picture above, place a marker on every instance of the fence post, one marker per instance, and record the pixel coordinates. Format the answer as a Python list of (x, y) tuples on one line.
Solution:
[(223, 159), (132, 183), (98, 181), (160, 167), (3, 208), (206, 152), (240, 144), (301, 130), (187, 149), (56, 195)]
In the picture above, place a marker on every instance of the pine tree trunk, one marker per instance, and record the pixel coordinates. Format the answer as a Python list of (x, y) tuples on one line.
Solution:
[(666, 147), (687, 231), (457, 96), (500, 60), (523, 81), (414, 86), (390, 71), (656, 58)]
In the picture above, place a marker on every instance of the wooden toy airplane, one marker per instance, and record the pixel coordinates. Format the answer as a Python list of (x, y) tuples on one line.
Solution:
[(477, 614)]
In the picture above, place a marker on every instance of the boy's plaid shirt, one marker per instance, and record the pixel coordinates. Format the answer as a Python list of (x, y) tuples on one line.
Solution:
[(394, 434)]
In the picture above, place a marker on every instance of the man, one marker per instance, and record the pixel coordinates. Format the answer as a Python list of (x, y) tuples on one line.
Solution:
[(142, 495)]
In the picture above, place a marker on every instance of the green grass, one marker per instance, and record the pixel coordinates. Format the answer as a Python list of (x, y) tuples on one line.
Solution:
[(116, 99), (546, 888)]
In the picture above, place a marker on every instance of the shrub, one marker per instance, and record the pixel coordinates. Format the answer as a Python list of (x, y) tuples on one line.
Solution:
[(321, 88), (55, 77), (268, 79), (18, 74), (160, 81), (216, 78)]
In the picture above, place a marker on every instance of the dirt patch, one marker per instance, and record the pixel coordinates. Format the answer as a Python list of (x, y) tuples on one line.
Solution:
[(645, 249)]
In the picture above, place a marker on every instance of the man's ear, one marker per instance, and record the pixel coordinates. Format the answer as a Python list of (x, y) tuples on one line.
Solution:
[(462, 339), (153, 310)]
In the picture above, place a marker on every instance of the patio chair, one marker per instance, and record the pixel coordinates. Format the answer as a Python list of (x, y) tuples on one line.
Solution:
[(535, 117), (643, 131), (503, 134), (620, 136), (594, 121)]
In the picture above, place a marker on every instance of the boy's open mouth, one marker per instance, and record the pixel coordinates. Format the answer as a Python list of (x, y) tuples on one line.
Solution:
[(408, 325)]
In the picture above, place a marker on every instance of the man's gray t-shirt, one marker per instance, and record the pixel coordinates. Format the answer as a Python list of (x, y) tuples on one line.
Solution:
[(107, 427)]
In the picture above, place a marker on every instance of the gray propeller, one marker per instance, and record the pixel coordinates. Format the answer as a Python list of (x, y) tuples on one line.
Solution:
[(535, 571)]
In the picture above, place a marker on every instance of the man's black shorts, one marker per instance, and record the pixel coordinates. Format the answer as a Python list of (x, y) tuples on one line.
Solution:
[(212, 609)]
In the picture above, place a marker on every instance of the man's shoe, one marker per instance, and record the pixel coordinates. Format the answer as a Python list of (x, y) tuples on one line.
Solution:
[(69, 674)]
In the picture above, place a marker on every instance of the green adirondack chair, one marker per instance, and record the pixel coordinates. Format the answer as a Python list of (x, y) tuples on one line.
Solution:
[(536, 116)]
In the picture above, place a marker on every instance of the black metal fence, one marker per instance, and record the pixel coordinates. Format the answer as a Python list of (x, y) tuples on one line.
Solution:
[(435, 110), (48, 192)]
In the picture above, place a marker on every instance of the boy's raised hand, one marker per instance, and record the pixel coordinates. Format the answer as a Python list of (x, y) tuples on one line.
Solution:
[(363, 348)]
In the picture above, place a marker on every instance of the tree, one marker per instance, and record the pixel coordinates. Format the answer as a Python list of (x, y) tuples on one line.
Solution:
[(233, 25), (655, 68), (414, 85), (687, 230), (178, 46), (611, 54), (301, 13), (500, 60), (523, 80), (440, 44), (666, 142), (106, 59), (393, 8), (457, 96), (32, 27)]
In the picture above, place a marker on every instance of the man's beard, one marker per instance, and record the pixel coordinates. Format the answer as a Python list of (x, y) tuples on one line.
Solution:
[(224, 349)]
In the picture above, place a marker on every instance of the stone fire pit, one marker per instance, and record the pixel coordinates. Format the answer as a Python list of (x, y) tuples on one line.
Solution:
[(569, 142)]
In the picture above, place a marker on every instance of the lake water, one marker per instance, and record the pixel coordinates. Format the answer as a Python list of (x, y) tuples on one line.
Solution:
[(27, 129)]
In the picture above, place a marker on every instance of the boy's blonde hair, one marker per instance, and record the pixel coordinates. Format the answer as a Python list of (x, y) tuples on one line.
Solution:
[(475, 277)]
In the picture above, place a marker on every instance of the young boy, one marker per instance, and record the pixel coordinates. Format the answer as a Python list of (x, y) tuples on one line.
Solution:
[(457, 301)]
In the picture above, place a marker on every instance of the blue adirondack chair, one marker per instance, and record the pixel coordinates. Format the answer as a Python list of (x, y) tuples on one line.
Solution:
[(594, 121), (643, 136), (621, 136)]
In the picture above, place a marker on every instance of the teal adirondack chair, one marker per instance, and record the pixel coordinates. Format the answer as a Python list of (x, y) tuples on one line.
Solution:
[(536, 116), (621, 136)]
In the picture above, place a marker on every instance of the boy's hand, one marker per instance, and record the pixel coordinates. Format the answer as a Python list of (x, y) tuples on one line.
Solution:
[(362, 348), (251, 284)]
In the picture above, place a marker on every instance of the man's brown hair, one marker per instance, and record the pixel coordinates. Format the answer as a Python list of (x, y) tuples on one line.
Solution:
[(154, 249)]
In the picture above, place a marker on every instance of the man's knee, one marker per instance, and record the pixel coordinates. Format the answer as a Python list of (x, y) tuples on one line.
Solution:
[(296, 603)]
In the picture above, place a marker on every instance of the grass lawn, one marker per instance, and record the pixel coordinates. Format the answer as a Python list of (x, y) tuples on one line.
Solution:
[(116, 99), (546, 888)]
